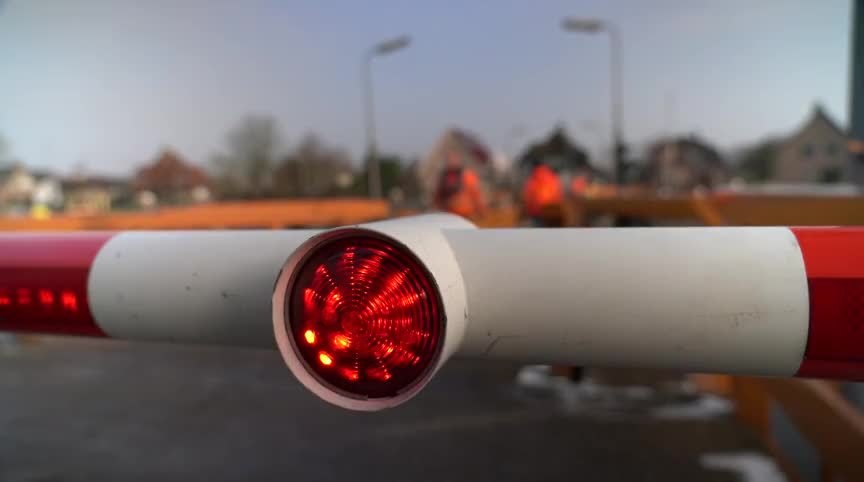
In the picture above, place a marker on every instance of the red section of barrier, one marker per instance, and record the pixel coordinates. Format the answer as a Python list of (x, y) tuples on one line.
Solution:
[(834, 260), (43, 282)]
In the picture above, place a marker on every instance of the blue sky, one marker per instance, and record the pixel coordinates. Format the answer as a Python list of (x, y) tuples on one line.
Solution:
[(107, 83)]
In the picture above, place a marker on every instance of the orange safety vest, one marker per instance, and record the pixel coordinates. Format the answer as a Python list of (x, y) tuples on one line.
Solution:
[(542, 189)]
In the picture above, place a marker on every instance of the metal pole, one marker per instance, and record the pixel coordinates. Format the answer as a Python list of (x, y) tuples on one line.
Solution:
[(373, 171), (616, 100), (856, 94)]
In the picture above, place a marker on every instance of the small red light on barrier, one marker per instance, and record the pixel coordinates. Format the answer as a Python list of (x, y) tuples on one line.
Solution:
[(46, 297), (24, 300), (69, 301), (375, 309)]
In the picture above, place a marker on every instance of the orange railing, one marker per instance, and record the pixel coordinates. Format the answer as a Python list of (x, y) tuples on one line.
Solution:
[(228, 215), (733, 209)]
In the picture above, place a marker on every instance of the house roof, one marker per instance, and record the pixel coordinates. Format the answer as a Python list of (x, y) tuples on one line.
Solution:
[(9, 169), (170, 172), (818, 115), (556, 145), (38, 174), (685, 142), (98, 182), (476, 153)]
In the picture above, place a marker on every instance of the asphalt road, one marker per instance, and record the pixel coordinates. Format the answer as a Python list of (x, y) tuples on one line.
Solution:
[(81, 410)]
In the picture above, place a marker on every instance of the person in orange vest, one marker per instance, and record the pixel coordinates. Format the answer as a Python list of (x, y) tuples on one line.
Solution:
[(542, 189), (459, 190)]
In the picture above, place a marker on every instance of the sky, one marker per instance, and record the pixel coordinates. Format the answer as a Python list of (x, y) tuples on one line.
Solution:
[(104, 85)]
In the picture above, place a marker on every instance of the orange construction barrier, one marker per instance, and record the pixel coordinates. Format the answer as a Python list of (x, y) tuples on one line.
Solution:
[(228, 215)]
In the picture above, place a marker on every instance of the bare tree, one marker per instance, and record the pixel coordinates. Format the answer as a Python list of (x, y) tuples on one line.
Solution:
[(313, 168), (246, 168), (756, 161)]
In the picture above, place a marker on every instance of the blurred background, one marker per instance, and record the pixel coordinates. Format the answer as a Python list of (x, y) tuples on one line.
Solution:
[(286, 114)]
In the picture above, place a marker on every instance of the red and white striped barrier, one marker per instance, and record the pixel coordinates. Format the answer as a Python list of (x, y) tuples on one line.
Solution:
[(184, 286), (43, 282), (758, 301)]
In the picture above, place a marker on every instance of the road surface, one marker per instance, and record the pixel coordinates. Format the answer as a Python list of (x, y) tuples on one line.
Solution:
[(93, 410)]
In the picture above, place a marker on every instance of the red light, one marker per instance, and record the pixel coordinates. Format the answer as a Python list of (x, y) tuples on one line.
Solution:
[(374, 308), (69, 301), (5, 300), (46, 298)]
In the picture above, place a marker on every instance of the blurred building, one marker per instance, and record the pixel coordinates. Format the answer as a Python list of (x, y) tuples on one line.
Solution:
[(22, 189), (815, 152), (16, 186), (681, 164), (95, 194), (475, 155), (171, 180), (47, 191)]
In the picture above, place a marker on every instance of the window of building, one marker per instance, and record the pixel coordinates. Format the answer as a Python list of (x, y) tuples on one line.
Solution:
[(807, 151), (831, 150), (831, 175)]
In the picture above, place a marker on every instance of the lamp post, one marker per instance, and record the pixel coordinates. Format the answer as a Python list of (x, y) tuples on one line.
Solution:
[(373, 170), (585, 25)]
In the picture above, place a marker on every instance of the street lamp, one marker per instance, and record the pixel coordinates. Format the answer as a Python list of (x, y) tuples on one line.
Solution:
[(589, 25), (373, 170)]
